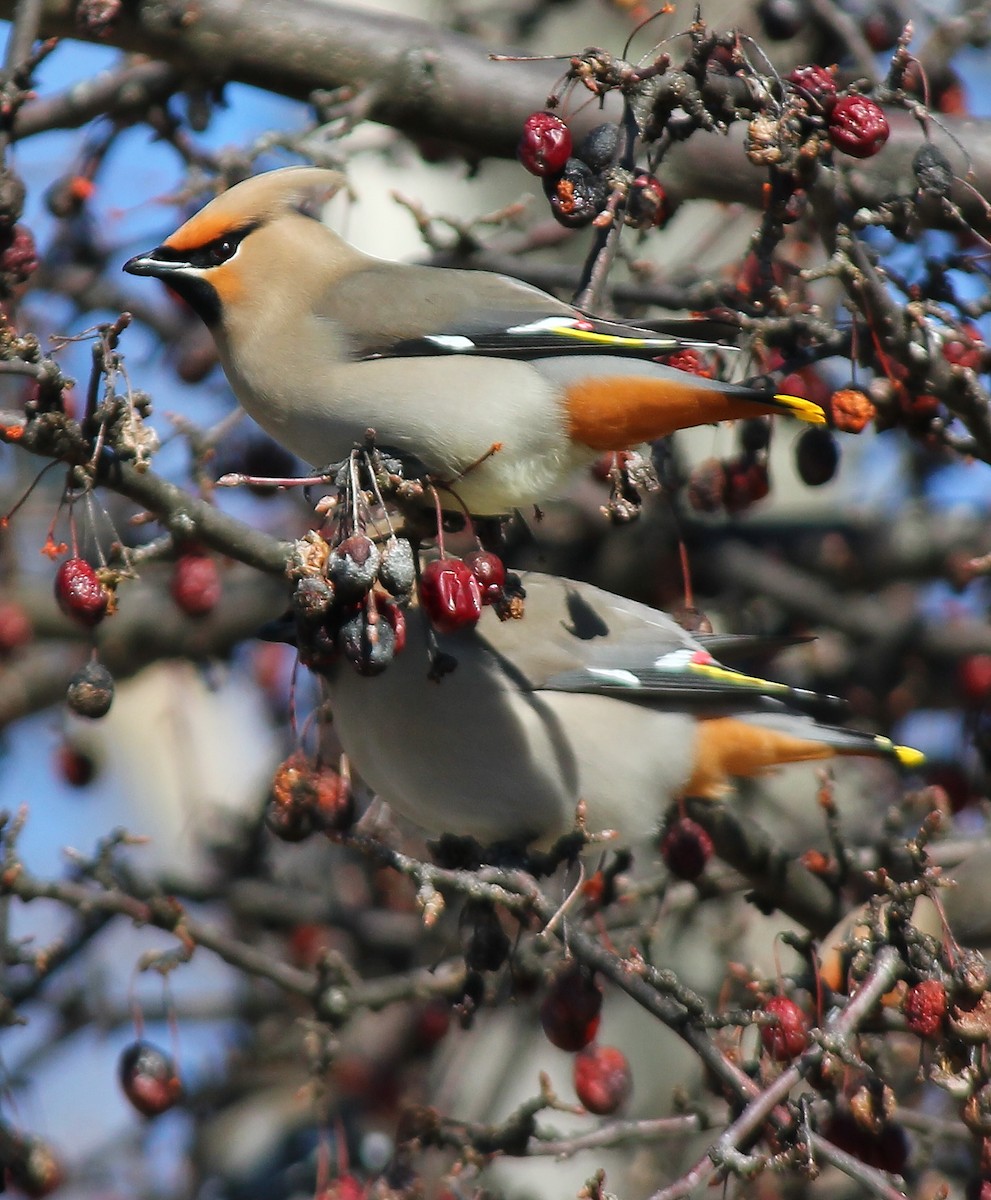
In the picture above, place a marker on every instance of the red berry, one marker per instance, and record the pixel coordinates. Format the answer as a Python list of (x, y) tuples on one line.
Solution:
[(545, 145), (148, 1077), (925, 1007), (603, 1080), (747, 481), (858, 126), (966, 349), (15, 626), (790, 1036), (19, 259), (882, 27), (450, 594), (490, 572), (79, 592), (974, 675), (75, 767), (686, 848), (689, 360), (817, 82), (570, 1012), (196, 584)]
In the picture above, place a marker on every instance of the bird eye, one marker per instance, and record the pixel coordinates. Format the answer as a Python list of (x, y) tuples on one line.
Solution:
[(222, 250)]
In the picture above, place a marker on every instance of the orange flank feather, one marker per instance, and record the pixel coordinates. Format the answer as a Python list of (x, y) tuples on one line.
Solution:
[(728, 747), (615, 412)]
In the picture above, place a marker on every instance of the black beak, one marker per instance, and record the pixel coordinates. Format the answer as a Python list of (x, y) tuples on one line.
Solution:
[(155, 262)]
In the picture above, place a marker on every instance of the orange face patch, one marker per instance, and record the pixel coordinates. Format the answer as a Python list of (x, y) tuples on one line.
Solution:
[(728, 747), (613, 413)]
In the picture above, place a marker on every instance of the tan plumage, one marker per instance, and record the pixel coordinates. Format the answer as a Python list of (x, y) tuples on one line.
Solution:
[(589, 697), (321, 342)]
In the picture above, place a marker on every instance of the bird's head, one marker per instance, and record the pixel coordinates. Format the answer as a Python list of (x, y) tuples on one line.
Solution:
[(227, 251)]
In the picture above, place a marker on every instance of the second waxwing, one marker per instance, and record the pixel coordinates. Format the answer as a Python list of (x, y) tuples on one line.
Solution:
[(498, 389), (588, 697)]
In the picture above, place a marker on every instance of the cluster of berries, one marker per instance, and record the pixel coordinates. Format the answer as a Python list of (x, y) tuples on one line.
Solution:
[(578, 180), (350, 599)]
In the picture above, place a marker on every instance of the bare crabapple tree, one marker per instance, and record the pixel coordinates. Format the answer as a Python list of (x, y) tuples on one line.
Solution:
[(227, 971)]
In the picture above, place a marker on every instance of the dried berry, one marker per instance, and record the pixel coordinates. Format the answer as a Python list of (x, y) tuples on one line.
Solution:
[(577, 195), (397, 570), (883, 26), (598, 147), (787, 1038), (782, 19), (857, 126), (196, 585), (312, 599), (706, 486), (850, 410), (19, 258), (367, 640), (689, 360), (816, 457), (450, 595), (352, 568), (932, 170), (754, 434), (685, 848), (95, 18), (148, 1077), (32, 1166), (489, 570), (747, 481), (647, 202), (571, 1010), (603, 1080), (307, 797), (545, 145), (925, 1007), (486, 943), (91, 691), (817, 82), (974, 677), (79, 592)]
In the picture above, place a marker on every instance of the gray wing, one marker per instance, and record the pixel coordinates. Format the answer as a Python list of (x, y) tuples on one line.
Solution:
[(481, 313)]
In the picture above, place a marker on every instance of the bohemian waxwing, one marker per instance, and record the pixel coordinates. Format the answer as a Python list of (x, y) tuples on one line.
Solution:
[(589, 696), (497, 388)]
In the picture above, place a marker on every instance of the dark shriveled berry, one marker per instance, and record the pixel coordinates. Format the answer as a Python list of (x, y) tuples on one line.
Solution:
[(353, 567), (571, 1010), (397, 570), (685, 848), (603, 1080), (79, 592), (817, 455), (148, 1077), (32, 1166), (598, 147), (857, 126), (368, 644), (545, 145), (782, 19), (577, 195), (312, 600), (91, 691)]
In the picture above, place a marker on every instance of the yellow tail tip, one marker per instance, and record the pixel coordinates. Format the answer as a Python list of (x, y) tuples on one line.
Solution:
[(804, 410), (909, 757)]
